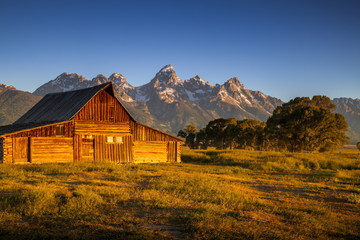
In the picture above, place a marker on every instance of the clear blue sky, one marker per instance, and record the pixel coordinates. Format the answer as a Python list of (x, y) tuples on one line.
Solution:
[(282, 48)]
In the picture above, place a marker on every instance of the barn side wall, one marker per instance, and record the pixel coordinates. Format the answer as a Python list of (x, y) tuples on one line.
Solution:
[(40, 144), (112, 142), (151, 145)]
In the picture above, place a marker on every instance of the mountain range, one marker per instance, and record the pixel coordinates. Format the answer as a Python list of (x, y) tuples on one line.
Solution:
[(169, 103)]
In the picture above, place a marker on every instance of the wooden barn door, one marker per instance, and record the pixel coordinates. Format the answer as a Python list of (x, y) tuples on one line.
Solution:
[(21, 150), (172, 151), (87, 150)]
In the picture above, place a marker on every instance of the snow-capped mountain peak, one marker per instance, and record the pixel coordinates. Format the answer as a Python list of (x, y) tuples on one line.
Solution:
[(167, 76), (120, 80), (168, 68), (197, 81)]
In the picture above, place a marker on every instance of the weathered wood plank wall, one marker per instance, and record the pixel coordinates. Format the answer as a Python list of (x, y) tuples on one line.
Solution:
[(150, 151), (103, 107), (7, 149), (47, 131), (113, 152), (20, 149), (96, 128), (77, 148), (51, 149), (144, 133), (178, 151)]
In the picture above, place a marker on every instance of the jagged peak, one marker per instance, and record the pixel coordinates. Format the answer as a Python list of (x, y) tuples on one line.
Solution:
[(117, 75), (234, 81), (167, 68), (4, 86), (120, 80), (100, 76), (117, 78), (198, 81), (99, 79), (66, 75), (166, 76)]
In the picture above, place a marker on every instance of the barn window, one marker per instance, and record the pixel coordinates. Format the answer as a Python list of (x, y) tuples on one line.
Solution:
[(116, 139), (87, 136), (60, 130)]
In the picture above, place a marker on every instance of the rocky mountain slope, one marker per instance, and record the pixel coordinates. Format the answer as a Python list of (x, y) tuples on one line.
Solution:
[(14, 103), (169, 103)]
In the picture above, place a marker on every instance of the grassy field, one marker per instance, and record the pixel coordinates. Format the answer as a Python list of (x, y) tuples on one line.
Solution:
[(211, 195)]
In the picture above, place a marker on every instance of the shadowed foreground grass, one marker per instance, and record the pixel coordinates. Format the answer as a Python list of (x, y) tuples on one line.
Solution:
[(212, 195)]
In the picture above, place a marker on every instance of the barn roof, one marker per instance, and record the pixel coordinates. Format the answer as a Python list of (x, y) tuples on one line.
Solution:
[(58, 107)]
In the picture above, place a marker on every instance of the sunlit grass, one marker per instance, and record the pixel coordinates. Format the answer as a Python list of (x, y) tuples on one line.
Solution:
[(211, 195)]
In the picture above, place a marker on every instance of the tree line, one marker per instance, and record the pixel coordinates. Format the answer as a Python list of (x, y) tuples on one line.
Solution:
[(302, 124)]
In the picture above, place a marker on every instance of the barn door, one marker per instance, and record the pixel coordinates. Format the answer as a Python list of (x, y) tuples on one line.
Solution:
[(87, 149), (21, 150)]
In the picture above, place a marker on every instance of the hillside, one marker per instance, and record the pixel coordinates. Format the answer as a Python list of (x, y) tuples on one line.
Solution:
[(14, 103)]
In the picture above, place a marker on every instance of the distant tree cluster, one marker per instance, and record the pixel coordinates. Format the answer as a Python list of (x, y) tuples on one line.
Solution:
[(302, 124)]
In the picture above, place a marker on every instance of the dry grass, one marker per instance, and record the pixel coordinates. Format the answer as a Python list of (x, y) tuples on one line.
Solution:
[(212, 195)]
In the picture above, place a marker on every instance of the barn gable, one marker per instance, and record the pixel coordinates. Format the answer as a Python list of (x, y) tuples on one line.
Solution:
[(104, 107)]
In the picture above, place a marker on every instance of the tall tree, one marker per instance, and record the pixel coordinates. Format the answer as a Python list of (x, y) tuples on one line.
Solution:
[(215, 131), (221, 133), (250, 134), (190, 131), (201, 139), (305, 124)]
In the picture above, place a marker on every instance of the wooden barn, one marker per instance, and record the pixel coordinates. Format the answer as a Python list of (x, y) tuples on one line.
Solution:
[(84, 125)]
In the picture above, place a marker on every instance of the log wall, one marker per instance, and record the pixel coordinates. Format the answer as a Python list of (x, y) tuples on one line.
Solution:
[(7, 149), (51, 149), (113, 152), (178, 151), (47, 131), (103, 107), (145, 133), (96, 128), (150, 151), (172, 152)]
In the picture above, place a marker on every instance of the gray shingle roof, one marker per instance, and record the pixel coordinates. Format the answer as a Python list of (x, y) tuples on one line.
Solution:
[(58, 107)]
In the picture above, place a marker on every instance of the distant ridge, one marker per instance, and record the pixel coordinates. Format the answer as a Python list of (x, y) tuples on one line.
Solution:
[(168, 103), (14, 103)]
